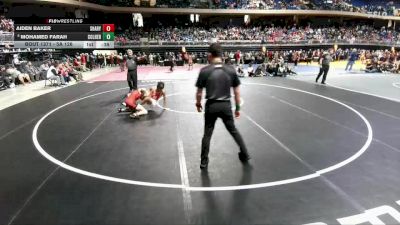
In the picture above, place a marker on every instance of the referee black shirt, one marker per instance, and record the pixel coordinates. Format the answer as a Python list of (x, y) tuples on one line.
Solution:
[(218, 80)]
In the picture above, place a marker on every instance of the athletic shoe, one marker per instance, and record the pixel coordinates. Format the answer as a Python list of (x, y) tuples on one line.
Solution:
[(134, 116), (243, 157), (203, 163), (323, 83)]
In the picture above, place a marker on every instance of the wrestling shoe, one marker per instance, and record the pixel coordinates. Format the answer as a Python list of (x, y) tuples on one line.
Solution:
[(134, 116), (243, 157)]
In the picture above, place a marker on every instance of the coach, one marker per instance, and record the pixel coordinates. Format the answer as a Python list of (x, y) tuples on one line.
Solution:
[(218, 79)]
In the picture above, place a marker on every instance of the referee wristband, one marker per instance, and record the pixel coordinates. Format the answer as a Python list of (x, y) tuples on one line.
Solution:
[(237, 107)]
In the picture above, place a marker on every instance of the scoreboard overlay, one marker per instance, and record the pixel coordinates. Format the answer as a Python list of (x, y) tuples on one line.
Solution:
[(64, 36)]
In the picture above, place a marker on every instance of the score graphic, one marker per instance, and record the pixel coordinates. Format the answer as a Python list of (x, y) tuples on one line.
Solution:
[(108, 32), (108, 36), (63, 36), (108, 28)]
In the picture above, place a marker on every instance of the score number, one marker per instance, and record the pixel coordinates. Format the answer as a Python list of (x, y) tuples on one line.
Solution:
[(108, 36), (108, 32), (108, 28)]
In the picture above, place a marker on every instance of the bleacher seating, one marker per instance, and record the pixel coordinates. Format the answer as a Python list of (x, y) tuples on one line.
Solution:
[(364, 6)]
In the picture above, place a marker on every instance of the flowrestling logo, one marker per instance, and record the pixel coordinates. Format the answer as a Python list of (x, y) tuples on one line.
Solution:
[(370, 216)]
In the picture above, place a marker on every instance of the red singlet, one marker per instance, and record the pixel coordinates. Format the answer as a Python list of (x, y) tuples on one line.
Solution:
[(156, 95), (131, 100)]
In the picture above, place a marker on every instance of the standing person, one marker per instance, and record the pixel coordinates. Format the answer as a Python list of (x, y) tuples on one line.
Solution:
[(237, 57), (92, 61), (151, 59), (83, 61), (172, 59), (352, 59), (158, 59), (296, 57), (190, 61), (218, 79), (132, 71), (121, 62), (112, 59), (100, 60), (105, 60), (324, 63)]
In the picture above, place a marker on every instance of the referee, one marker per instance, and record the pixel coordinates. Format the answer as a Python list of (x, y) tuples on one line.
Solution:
[(324, 63), (132, 71), (218, 79)]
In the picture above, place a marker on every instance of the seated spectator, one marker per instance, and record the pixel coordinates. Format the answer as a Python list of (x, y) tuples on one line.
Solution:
[(14, 73), (16, 62), (43, 70), (52, 74), (32, 71), (77, 64), (61, 70), (35, 70), (5, 79), (73, 73), (6, 25), (372, 66), (250, 70), (260, 70), (240, 71)]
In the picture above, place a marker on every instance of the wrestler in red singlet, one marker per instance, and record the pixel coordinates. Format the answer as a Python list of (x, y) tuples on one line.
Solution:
[(132, 99), (157, 94)]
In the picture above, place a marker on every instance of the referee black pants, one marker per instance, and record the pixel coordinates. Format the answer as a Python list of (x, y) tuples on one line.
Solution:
[(213, 111), (323, 70), (132, 80)]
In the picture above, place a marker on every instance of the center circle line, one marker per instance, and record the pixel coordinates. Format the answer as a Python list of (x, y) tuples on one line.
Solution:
[(216, 188), (184, 112)]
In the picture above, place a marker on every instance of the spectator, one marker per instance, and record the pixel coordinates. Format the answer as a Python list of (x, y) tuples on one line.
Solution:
[(32, 71), (293, 34), (14, 73), (6, 25), (52, 74), (43, 69), (352, 59), (73, 73), (78, 65), (5, 79)]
